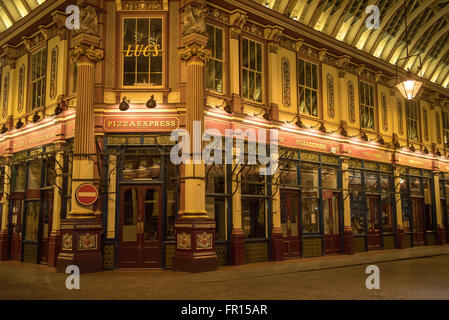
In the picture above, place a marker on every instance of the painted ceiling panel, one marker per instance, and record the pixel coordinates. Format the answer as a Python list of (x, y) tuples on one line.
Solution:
[(12, 11), (427, 31)]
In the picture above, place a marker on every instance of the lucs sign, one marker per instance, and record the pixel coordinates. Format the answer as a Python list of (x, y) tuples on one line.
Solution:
[(153, 49)]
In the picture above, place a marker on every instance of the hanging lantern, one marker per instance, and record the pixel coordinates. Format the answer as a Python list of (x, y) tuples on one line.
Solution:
[(409, 88)]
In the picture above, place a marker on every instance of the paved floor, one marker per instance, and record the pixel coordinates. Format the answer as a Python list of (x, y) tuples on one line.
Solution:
[(412, 278)]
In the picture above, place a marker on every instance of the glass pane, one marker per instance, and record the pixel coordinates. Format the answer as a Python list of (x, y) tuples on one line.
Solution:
[(129, 33), (357, 213), (252, 85), (302, 101), (314, 103), (216, 209), (314, 77), (301, 72), (151, 226), (387, 217), (130, 212), (373, 214), (252, 55), (294, 214), (329, 178), (215, 182), (219, 43), (371, 184), (259, 57), (142, 32), (309, 177), (32, 220), (18, 180), (310, 216), (245, 53), (253, 217), (218, 76), (308, 74), (258, 90), (141, 165), (245, 83), (34, 175), (156, 31), (415, 186), (308, 102)]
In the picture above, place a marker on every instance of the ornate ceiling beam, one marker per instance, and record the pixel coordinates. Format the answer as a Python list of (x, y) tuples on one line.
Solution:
[(314, 10), (435, 62), (384, 23), (337, 19), (6, 11), (360, 25), (410, 19), (26, 6)]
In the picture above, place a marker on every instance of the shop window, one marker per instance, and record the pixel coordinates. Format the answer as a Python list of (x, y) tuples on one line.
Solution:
[(142, 52), (308, 88), (253, 217), (216, 198), (329, 179), (367, 106), (289, 174), (371, 183), (415, 186), (253, 183), (18, 179), (214, 68), (387, 208), (151, 210), (50, 172), (412, 116), (32, 220), (34, 175), (2, 179), (172, 190), (357, 204), (131, 208), (309, 198), (141, 165), (252, 70), (38, 75)]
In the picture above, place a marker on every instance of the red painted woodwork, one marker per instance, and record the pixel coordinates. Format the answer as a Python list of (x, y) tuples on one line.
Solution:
[(348, 240), (374, 240), (331, 211), (238, 254), (16, 230), (3, 234), (277, 244), (441, 234), (140, 227), (418, 222), (290, 223), (46, 224), (400, 237)]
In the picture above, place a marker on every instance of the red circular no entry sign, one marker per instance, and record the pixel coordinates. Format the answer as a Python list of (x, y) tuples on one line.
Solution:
[(86, 194)]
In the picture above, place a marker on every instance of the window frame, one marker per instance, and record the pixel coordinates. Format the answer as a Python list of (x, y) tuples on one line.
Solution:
[(445, 122), (262, 72), (363, 106), (318, 89), (408, 119), (163, 51), (43, 46), (223, 61)]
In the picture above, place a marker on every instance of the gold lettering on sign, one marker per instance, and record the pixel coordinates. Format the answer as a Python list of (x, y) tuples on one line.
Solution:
[(311, 144), (371, 154), (140, 124), (419, 163), (153, 49)]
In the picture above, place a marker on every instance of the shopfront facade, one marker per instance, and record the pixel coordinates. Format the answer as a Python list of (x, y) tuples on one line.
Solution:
[(360, 169)]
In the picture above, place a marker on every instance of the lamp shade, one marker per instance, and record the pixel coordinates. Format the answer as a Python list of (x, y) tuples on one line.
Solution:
[(409, 88)]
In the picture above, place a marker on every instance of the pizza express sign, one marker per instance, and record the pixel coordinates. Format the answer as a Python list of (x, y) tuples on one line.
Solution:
[(141, 123)]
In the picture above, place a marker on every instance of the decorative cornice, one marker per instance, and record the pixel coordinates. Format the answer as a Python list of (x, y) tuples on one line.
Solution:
[(195, 50), (91, 52), (237, 20), (273, 36)]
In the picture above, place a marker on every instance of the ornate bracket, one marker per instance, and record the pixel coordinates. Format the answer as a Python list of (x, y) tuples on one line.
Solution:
[(195, 50), (91, 52), (237, 20)]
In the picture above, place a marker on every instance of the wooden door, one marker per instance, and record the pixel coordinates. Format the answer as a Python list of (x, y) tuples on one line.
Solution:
[(418, 222), (331, 212), (16, 227), (140, 226), (46, 224), (374, 240), (290, 223)]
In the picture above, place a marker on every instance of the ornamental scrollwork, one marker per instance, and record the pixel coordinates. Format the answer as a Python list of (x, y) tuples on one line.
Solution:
[(286, 99), (401, 121), (91, 52), (426, 126), (195, 50), (330, 96), (21, 88), (88, 21), (5, 96), (384, 112)]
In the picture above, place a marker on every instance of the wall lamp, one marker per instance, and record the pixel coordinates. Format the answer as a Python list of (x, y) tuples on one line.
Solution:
[(3, 130), (36, 117), (124, 105), (19, 124), (151, 103)]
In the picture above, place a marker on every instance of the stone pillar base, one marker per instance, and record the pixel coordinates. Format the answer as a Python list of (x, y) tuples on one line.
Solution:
[(348, 238), (277, 243), (400, 237), (3, 245), (238, 253), (80, 245), (441, 234), (54, 247), (195, 245)]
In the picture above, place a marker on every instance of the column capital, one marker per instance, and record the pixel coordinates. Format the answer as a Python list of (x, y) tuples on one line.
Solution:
[(273, 35), (237, 20), (194, 50), (91, 52)]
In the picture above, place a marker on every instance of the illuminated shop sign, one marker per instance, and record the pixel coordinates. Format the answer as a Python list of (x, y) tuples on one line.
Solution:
[(141, 123), (138, 50)]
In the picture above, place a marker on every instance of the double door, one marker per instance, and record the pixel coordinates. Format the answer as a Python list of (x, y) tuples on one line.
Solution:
[(374, 221), (418, 222), (140, 227), (290, 223), (331, 212)]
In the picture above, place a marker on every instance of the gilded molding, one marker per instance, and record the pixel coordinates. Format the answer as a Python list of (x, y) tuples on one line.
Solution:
[(330, 96), (195, 50), (91, 52), (194, 20), (237, 20), (286, 98)]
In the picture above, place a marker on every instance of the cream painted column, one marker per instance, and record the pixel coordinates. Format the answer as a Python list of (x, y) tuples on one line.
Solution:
[(237, 20), (441, 232), (400, 232), (348, 237), (237, 239), (84, 144), (112, 196), (5, 209), (54, 245), (273, 35), (343, 99), (277, 239)]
